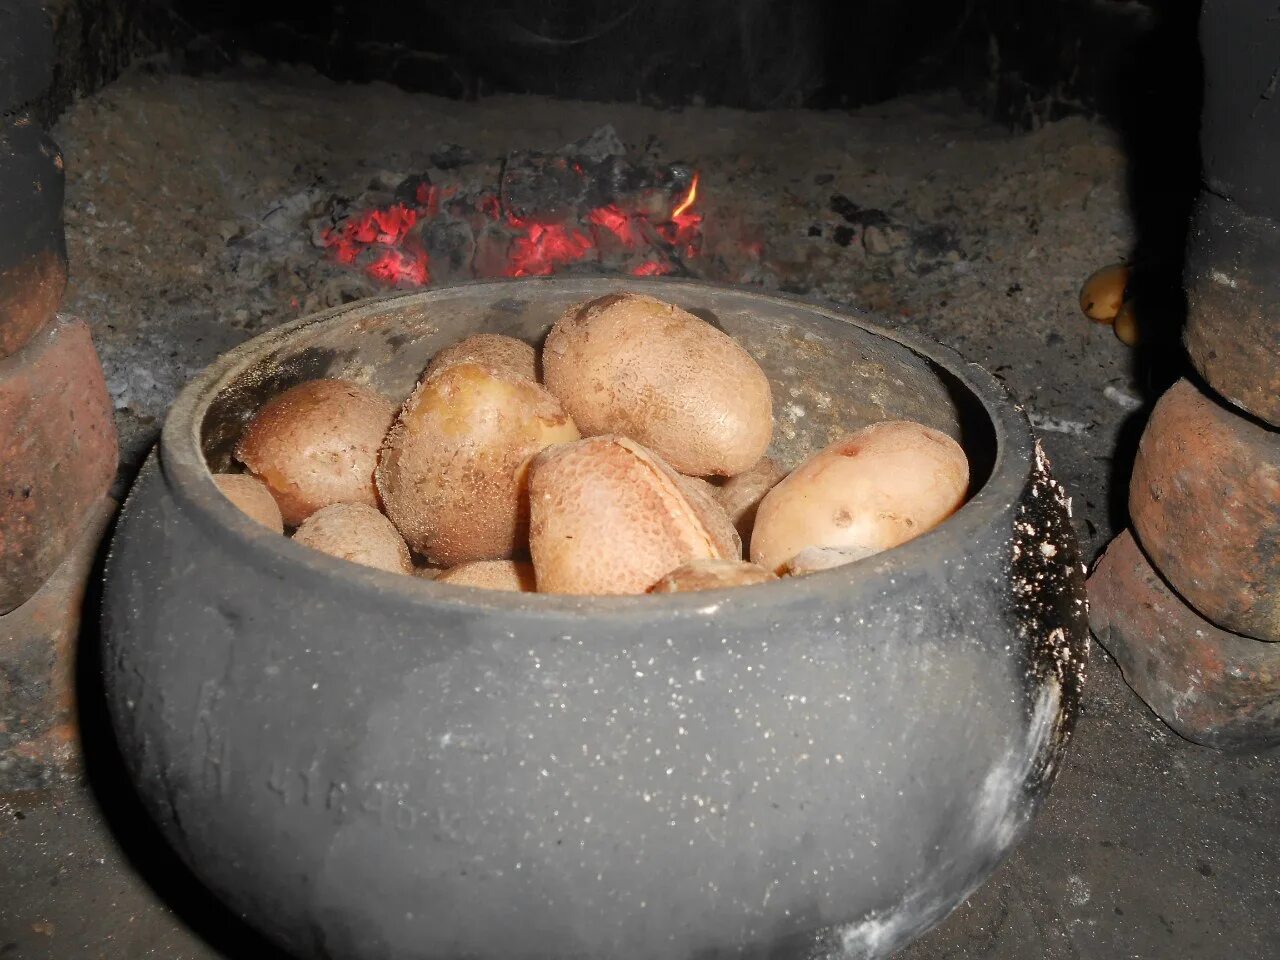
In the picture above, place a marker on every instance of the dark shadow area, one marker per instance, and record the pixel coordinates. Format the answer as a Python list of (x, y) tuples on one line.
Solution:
[(140, 840)]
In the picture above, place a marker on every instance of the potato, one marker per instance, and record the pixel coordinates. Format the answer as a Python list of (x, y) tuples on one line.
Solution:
[(880, 487), (453, 469), (252, 497), (817, 559), (1103, 293), (493, 349), (608, 516), (711, 575), (356, 532), (1126, 326), (740, 495), (514, 575), (316, 444), (631, 365)]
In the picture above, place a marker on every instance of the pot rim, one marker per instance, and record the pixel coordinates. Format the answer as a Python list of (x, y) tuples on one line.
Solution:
[(191, 481)]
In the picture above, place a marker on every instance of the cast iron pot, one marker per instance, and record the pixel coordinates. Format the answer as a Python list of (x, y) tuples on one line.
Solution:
[(368, 766)]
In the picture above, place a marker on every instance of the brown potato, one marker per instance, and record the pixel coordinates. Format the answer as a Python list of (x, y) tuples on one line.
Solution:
[(1103, 293), (608, 516), (317, 444), (740, 495), (453, 471), (880, 487), (711, 575), (631, 365), (252, 497), (356, 532), (513, 575), (701, 496), (493, 349)]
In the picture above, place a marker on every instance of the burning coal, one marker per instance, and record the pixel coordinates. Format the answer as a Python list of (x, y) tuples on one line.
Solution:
[(589, 207)]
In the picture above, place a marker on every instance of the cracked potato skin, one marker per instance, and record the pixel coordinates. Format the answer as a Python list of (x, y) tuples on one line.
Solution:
[(609, 517)]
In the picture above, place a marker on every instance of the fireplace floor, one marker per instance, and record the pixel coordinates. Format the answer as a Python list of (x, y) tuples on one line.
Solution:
[(186, 200)]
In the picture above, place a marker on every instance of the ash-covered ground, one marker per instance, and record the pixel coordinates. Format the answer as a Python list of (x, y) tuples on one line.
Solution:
[(191, 206)]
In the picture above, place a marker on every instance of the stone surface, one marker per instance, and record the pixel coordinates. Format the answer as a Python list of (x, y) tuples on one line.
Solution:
[(1213, 687), (1233, 305), (57, 453), (38, 723), (1205, 503), (30, 292)]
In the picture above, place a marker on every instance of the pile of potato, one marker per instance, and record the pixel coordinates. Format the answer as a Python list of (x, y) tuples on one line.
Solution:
[(636, 464)]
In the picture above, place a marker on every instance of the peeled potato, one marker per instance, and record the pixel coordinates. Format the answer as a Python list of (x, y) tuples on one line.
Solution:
[(317, 444), (252, 497), (608, 516), (740, 495), (492, 349), (631, 365), (453, 470), (711, 575), (356, 532), (880, 487), (1103, 293), (513, 575)]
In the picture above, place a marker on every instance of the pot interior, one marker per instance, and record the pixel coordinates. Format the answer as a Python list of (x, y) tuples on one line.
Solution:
[(830, 376)]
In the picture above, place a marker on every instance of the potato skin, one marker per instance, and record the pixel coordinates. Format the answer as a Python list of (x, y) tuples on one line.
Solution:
[(873, 490), (510, 575), (609, 517), (491, 349), (252, 497), (711, 575), (317, 444), (632, 365), (356, 532), (740, 495), (1102, 294), (452, 474)]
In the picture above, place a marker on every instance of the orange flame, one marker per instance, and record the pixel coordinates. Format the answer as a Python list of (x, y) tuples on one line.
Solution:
[(687, 202)]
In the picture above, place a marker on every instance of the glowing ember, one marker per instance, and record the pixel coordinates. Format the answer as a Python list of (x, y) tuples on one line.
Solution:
[(390, 244), (542, 249)]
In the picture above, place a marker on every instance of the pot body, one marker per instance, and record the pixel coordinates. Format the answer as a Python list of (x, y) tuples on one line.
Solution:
[(370, 766)]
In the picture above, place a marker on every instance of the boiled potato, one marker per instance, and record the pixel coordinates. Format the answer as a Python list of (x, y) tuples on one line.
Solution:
[(609, 516), (493, 349), (252, 497), (316, 444), (453, 470), (631, 365), (356, 532), (711, 575), (741, 494), (880, 487), (817, 559), (512, 575)]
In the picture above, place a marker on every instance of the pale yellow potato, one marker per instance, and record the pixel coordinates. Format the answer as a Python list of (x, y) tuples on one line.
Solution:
[(252, 497), (492, 349), (711, 575), (880, 487), (634, 366), (511, 575), (356, 532), (316, 444), (608, 516), (453, 470)]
